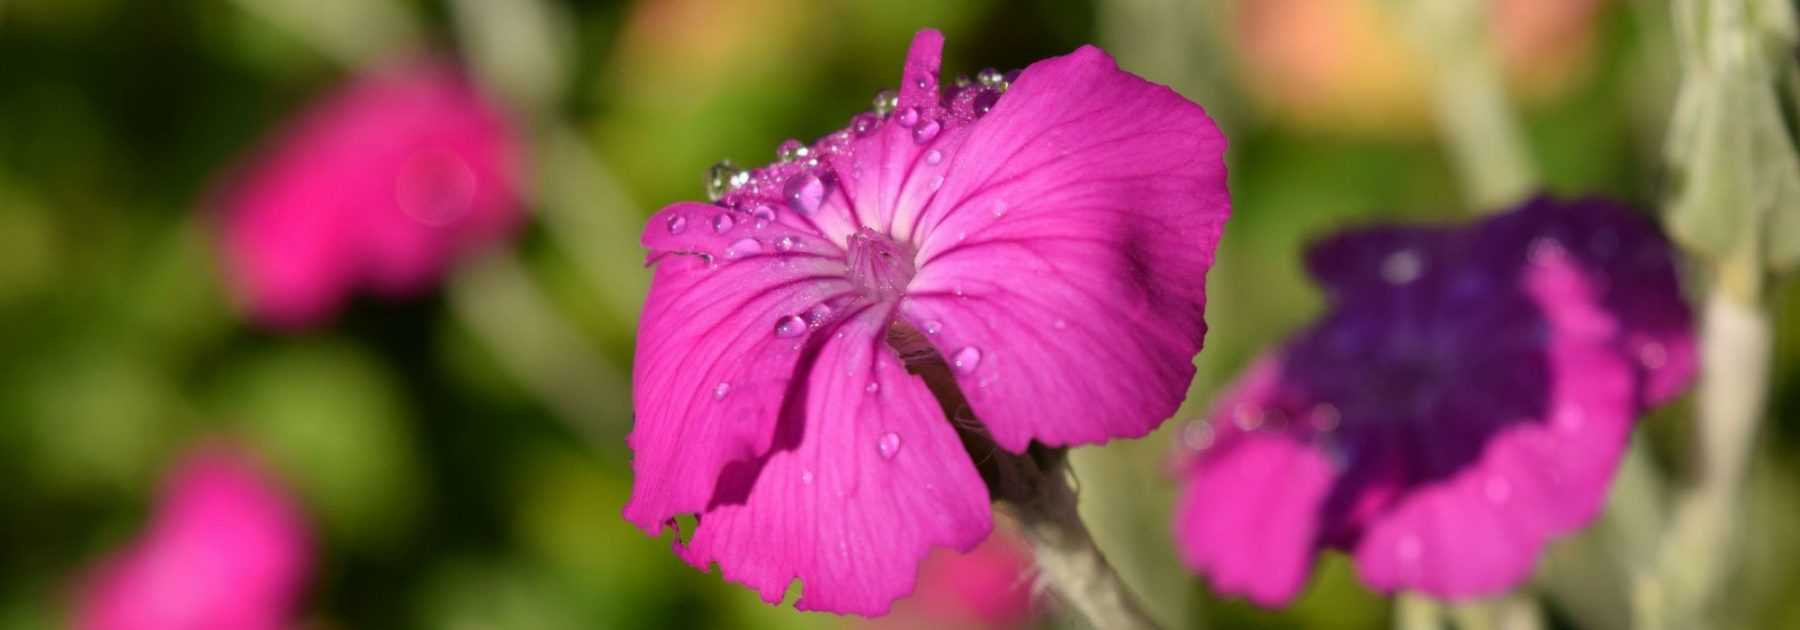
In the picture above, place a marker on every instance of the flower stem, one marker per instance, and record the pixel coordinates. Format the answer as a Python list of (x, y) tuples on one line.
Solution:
[(1069, 563)]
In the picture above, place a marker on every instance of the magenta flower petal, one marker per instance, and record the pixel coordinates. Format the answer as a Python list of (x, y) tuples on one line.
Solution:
[(378, 186), (1077, 205), (1250, 518), (1471, 391), (868, 478), (227, 549), (1063, 255)]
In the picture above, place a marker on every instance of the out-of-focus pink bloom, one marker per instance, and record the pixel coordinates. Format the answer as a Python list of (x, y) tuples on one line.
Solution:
[(1349, 63), (1465, 400), (988, 587), (1042, 237), (226, 550), (377, 187)]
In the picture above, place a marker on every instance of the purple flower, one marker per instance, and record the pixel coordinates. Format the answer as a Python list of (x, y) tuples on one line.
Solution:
[(1040, 239), (226, 549), (1466, 399), (378, 187)]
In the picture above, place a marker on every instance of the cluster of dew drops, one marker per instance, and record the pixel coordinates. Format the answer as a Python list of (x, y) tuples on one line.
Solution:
[(801, 178)]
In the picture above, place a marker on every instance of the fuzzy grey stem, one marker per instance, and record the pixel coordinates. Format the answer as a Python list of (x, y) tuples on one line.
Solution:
[(1069, 563), (1697, 551)]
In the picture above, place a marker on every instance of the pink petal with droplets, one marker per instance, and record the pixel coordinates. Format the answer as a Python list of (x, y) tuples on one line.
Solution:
[(1068, 247), (718, 350), (865, 477)]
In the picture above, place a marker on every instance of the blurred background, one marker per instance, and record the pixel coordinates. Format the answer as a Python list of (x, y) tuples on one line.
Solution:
[(459, 453)]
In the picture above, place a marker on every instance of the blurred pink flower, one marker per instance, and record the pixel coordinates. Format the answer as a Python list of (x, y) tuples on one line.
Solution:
[(1465, 400), (226, 550), (1042, 238), (988, 587), (377, 187)]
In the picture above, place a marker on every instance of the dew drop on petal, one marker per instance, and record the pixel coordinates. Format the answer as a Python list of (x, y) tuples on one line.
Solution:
[(721, 390), (677, 224), (985, 101), (1497, 489), (804, 193), (785, 243), (806, 477), (924, 81), (937, 181), (722, 178), (1409, 548), (885, 102), (926, 131), (743, 247), (933, 327), (966, 359), (888, 445), (872, 387), (764, 214), (817, 314), (933, 157), (864, 124), (989, 77), (723, 223), (1402, 267), (790, 326), (1000, 208), (907, 117), (791, 150)]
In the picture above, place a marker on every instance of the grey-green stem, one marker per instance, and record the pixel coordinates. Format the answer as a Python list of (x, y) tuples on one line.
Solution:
[(1069, 563)]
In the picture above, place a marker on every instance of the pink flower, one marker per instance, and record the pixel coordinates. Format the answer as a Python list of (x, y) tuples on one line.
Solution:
[(1465, 400), (988, 587), (227, 550), (378, 187), (1043, 239)]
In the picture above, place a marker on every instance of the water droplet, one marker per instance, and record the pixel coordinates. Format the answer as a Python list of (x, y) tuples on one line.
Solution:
[(1570, 419), (1409, 548), (1402, 267), (785, 243), (1324, 417), (1247, 417), (924, 81), (723, 178), (908, 117), (806, 477), (872, 387), (1497, 489), (864, 124), (933, 157), (721, 390), (966, 359), (723, 223), (1000, 208), (804, 193), (743, 247), (985, 101), (990, 77), (790, 326), (888, 445), (1653, 355), (1545, 249), (817, 314), (926, 131), (1198, 435), (933, 327), (764, 215), (885, 102), (791, 150), (937, 181), (677, 224)]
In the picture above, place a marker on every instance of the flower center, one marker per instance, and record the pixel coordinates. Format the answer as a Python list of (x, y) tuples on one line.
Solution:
[(880, 267)]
